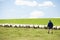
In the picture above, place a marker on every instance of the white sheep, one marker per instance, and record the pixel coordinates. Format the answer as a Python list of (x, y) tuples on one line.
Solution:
[(36, 26), (31, 25), (58, 27), (41, 26)]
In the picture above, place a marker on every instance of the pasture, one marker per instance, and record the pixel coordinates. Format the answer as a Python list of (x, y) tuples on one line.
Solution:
[(10, 33), (27, 34), (42, 21)]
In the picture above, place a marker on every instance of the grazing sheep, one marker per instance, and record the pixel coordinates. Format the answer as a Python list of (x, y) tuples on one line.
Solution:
[(36, 26), (10, 25), (6, 26), (55, 27), (22, 26), (27, 26), (45, 27), (17, 25), (58, 27), (31, 26), (41, 26), (13, 25), (1, 25)]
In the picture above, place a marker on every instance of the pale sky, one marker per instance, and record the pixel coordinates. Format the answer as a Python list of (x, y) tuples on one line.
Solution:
[(29, 9)]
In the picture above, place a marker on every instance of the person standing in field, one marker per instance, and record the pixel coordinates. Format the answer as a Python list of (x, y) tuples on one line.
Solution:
[(50, 27)]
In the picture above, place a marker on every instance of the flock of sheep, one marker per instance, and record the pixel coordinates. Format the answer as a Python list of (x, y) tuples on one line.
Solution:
[(28, 26)]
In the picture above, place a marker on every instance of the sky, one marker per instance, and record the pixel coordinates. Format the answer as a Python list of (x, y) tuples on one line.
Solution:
[(11, 9)]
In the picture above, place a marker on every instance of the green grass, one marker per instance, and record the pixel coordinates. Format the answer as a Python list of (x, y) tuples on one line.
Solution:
[(27, 34), (43, 21)]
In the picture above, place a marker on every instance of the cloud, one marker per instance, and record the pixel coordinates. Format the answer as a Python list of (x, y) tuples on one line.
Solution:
[(27, 3), (36, 14), (47, 4), (34, 3)]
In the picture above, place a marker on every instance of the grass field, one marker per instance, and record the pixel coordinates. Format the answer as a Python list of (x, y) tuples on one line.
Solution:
[(27, 34), (42, 21)]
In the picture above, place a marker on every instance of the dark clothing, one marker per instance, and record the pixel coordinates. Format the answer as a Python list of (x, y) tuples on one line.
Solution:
[(50, 25)]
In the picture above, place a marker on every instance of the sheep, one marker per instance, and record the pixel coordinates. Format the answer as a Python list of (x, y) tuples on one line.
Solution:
[(55, 27), (31, 25), (41, 26), (36, 26), (45, 27), (58, 27), (27, 26), (17, 25), (10, 25), (13, 25), (6, 25), (1, 25), (22, 26)]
